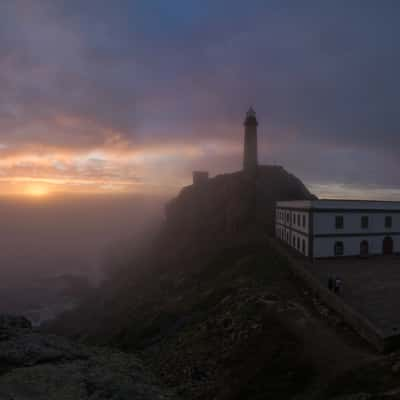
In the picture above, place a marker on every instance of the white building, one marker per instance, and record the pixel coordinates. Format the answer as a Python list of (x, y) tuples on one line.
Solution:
[(333, 228)]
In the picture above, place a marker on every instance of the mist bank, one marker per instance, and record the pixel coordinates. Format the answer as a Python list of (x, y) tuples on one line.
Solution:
[(47, 242)]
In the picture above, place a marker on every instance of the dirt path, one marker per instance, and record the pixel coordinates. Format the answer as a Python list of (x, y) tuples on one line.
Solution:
[(333, 347)]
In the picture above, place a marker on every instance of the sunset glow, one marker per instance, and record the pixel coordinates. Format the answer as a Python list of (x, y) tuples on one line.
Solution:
[(36, 191), (117, 167), (102, 111)]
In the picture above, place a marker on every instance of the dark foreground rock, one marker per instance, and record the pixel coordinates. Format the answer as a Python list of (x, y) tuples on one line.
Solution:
[(34, 366)]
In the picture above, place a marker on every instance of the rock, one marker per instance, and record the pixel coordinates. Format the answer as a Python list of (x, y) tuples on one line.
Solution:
[(14, 323), (36, 366), (11, 326), (33, 348), (105, 375), (356, 396), (396, 368), (231, 203), (227, 322)]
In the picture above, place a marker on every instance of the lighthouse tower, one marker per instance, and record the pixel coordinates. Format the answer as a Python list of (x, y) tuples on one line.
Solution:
[(250, 158)]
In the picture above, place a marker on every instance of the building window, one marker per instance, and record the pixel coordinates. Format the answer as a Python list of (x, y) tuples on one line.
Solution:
[(388, 222), (339, 249), (298, 219), (304, 221), (364, 222), (288, 218), (298, 243), (303, 244), (339, 222), (294, 242), (294, 219)]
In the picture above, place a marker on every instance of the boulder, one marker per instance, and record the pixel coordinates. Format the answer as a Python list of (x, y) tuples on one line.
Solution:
[(36, 366)]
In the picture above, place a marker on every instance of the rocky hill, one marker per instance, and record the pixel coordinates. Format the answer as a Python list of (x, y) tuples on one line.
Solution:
[(213, 311), (227, 209), (230, 203)]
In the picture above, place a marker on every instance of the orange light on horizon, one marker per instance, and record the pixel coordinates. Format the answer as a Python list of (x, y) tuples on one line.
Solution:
[(36, 190), (51, 188)]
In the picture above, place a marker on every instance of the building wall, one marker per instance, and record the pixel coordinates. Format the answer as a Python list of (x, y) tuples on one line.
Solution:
[(296, 220), (325, 246), (292, 227), (324, 222), (296, 223)]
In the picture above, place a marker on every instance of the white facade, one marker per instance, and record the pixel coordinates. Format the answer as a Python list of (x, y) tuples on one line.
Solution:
[(333, 228)]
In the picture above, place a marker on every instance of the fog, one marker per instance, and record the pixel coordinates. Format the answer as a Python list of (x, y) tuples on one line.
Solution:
[(47, 242)]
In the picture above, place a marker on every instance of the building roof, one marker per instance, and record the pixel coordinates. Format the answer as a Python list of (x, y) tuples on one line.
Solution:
[(341, 204)]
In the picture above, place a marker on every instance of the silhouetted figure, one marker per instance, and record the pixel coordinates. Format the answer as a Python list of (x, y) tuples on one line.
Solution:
[(338, 284), (330, 283)]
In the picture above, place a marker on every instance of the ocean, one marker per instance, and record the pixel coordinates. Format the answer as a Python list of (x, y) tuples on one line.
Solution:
[(54, 249)]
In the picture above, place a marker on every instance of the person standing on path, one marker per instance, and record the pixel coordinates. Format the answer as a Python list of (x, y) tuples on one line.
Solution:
[(330, 283), (338, 285)]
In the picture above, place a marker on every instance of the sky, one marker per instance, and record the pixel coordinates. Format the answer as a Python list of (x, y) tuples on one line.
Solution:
[(130, 96)]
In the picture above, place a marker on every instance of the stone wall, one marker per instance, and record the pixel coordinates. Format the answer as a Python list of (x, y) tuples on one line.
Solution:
[(353, 318)]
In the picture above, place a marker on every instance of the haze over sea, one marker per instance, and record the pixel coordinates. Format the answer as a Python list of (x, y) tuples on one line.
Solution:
[(45, 241)]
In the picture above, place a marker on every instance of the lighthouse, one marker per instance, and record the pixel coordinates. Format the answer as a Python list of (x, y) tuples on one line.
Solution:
[(250, 158)]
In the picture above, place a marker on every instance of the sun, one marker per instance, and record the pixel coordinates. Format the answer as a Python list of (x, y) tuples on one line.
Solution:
[(36, 191)]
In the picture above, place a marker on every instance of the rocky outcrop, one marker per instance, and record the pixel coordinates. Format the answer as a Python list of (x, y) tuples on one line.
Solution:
[(223, 211), (34, 366), (179, 305), (11, 325), (214, 311), (232, 203)]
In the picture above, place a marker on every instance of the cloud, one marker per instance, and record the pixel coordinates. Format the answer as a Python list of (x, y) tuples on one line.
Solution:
[(84, 77)]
